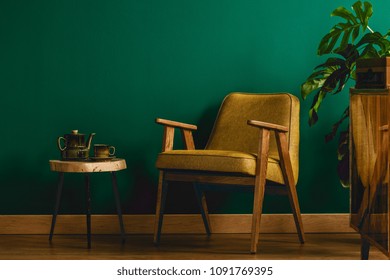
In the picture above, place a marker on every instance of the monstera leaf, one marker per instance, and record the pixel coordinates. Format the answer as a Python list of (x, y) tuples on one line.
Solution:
[(346, 42), (348, 31), (329, 77)]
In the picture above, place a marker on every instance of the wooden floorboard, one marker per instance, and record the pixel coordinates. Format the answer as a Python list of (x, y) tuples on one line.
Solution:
[(184, 247), (173, 224)]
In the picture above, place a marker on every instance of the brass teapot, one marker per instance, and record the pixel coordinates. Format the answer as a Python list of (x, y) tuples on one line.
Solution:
[(74, 146)]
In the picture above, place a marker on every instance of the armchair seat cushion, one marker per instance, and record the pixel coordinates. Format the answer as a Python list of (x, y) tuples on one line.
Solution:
[(217, 161)]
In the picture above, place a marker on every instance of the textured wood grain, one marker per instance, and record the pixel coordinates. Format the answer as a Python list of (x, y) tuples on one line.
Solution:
[(159, 213), (184, 247), (288, 175), (176, 124), (87, 166), (266, 125), (168, 138), (179, 223), (231, 180), (258, 197), (188, 139), (369, 145)]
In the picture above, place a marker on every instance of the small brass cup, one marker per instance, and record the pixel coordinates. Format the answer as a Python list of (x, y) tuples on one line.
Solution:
[(103, 150)]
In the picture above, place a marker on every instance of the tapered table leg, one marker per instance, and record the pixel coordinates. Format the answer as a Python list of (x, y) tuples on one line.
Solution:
[(86, 168), (57, 206), (88, 200), (118, 205), (364, 249)]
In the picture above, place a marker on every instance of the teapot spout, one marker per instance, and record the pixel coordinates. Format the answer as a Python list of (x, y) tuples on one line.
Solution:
[(90, 140)]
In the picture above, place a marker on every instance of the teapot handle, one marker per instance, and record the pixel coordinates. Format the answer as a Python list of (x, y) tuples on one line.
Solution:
[(59, 143)]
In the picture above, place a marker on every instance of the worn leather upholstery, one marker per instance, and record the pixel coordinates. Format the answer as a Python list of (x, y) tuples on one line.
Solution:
[(233, 144)]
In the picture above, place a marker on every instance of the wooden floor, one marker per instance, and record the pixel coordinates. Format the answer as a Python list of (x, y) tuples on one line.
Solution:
[(183, 247)]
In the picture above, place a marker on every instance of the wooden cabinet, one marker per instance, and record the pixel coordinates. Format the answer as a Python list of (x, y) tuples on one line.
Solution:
[(369, 165)]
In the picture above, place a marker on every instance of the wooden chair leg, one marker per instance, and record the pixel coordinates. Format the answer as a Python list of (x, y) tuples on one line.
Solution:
[(293, 197), (257, 211), (288, 176), (261, 172), (160, 205), (201, 198)]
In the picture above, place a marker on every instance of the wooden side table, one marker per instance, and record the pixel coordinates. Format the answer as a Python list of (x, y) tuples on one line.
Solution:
[(87, 167), (369, 168)]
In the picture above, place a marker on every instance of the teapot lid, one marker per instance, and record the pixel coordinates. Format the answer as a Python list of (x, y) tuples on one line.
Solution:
[(76, 132)]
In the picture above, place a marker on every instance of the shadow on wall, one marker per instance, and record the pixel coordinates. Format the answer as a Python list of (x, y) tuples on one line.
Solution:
[(205, 125), (30, 191), (19, 180), (142, 198)]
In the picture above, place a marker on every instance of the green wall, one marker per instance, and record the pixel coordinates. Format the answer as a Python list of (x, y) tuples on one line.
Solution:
[(112, 67)]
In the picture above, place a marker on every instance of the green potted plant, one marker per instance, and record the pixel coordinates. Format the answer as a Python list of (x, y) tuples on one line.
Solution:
[(347, 41)]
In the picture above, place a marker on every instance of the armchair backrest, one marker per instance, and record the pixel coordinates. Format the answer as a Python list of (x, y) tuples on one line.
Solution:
[(231, 131)]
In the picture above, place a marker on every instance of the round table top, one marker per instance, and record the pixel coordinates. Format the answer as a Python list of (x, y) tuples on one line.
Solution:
[(87, 166)]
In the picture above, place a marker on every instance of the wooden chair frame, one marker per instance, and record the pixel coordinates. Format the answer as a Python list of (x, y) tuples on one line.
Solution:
[(258, 181)]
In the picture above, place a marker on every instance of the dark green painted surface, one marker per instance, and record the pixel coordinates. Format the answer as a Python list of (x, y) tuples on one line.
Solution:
[(111, 67)]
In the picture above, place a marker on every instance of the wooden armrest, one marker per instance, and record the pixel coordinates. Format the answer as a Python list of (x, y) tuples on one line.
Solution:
[(271, 126), (169, 134), (176, 124), (384, 127)]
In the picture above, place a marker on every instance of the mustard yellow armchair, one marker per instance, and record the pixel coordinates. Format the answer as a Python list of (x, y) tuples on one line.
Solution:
[(254, 142)]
